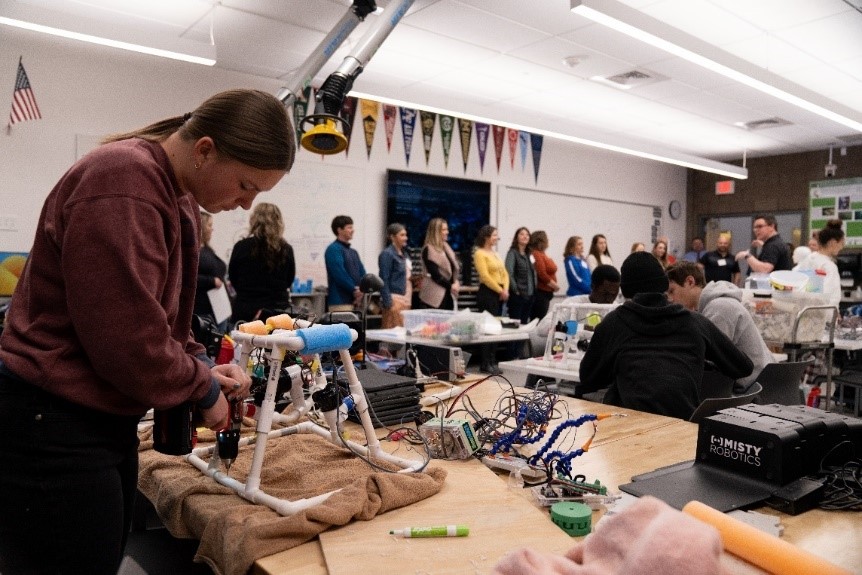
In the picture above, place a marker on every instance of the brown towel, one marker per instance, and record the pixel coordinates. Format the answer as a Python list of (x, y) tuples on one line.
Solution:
[(234, 532)]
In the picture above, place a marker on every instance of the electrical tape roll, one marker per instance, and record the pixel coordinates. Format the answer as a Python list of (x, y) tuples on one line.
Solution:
[(323, 338)]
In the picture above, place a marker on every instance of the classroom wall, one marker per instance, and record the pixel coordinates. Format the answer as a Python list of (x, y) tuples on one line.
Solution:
[(775, 184), (86, 92)]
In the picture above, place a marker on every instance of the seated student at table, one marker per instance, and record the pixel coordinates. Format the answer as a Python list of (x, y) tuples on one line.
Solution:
[(650, 353), (605, 282), (721, 303)]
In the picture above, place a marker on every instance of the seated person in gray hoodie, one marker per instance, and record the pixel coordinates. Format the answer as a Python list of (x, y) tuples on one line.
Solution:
[(720, 302), (649, 353)]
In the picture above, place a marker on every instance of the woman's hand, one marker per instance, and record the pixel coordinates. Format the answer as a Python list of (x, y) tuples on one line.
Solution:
[(218, 283), (217, 416), (456, 287), (233, 380), (504, 295)]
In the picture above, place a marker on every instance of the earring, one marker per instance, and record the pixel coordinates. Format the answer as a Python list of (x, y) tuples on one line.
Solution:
[(197, 166)]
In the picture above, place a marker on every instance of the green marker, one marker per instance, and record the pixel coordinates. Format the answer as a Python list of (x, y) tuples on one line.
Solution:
[(445, 531)]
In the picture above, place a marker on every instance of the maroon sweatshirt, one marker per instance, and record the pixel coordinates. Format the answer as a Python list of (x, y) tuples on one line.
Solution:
[(102, 312)]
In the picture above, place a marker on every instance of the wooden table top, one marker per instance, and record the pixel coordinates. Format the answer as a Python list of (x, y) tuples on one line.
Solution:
[(623, 447)]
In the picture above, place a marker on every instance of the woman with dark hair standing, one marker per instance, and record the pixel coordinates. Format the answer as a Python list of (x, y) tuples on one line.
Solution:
[(546, 274), (831, 240), (599, 254), (440, 286), (395, 267), (493, 286), (211, 271), (99, 327), (262, 266), (522, 276)]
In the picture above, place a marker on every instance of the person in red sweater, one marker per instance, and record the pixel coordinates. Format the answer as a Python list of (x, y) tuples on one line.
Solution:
[(99, 327), (546, 275)]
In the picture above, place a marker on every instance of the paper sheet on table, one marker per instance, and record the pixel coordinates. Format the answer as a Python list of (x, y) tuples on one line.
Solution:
[(220, 303)]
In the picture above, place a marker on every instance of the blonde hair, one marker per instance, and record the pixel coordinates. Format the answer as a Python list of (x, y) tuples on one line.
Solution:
[(434, 233), (205, 217), (267, 225)]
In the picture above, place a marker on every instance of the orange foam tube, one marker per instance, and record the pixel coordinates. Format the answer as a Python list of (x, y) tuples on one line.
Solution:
[(762, 549), (281, 321), (254, 327)]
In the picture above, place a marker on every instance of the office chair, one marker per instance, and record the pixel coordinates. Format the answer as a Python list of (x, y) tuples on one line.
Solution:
[(715, 384), (781, 381), (711, 405)]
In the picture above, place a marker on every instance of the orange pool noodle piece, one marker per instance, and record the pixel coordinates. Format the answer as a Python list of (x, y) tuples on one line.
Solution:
[(762, 549), (281, 321), (256, 327)]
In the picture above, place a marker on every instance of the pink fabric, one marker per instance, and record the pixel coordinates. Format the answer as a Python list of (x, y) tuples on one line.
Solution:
[(648, 538)]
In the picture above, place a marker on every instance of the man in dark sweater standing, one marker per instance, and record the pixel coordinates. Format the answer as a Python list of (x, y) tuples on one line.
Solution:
[(774, 254), (650, 353), (344, 269)]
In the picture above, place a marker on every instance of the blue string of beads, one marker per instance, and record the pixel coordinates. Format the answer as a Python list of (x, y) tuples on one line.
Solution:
[(526, 413), (556, 434)]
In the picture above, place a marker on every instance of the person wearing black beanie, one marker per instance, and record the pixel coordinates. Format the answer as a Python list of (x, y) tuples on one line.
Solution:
[(650, 353)]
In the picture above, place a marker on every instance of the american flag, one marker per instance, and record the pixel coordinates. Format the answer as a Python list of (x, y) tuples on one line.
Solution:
[(24, 105)]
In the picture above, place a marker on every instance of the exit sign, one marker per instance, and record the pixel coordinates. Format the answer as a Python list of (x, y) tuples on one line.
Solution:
[(724, 188)]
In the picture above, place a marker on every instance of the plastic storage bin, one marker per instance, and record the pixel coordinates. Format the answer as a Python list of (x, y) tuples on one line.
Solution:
[(775, 311), (445, 325)]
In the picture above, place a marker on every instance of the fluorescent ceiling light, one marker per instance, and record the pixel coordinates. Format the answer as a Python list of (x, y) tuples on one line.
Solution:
[(206, 61), (674, 41), (654, 153)]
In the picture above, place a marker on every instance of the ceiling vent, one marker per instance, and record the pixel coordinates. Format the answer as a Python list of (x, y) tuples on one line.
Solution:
[(631, 79), (763, 124)]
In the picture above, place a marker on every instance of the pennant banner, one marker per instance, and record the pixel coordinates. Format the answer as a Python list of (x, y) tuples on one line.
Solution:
[(369, 110), (348, 112), (536, 141), (482, 142), (512, 137), (523, 142), (447, 125), (24, 105), (389, 114), (465, 127), (499, 138), (428, 119), (408, 124)]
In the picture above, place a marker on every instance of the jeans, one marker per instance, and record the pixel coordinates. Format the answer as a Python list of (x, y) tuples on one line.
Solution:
[(68, 478)]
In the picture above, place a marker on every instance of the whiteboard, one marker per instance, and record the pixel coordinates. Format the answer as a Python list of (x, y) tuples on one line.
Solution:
[(562, 215), (309, 197)]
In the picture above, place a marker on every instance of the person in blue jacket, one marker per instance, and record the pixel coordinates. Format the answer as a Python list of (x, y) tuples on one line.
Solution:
[(577, 268), (344, 268)]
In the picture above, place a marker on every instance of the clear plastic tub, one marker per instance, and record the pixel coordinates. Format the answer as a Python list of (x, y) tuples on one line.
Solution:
[(445, 325)]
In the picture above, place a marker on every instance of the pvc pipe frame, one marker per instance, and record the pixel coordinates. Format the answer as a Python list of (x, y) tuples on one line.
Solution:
[(278, 343)]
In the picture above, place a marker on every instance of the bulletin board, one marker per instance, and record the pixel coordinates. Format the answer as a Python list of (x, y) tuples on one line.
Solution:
[(841, 199)]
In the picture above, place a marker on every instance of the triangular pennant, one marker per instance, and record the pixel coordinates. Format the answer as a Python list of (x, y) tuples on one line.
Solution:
[(408, 124), (447, 125), (536, 145), (523, 145), (512, 137), (499, 137), (428, 120), (300, 110), (369, 110), (348, 113), (465, 128), (482, 142), (389, 114)]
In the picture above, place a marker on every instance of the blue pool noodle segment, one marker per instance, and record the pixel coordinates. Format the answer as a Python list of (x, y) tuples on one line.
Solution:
[(323, 338)]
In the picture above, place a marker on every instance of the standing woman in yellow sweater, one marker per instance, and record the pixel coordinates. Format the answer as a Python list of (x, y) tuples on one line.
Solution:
[(493, 287)]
